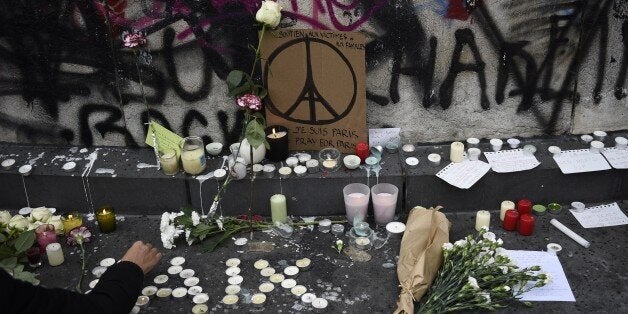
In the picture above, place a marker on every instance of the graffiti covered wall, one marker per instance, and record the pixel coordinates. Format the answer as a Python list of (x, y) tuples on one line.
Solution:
[(446, 69)]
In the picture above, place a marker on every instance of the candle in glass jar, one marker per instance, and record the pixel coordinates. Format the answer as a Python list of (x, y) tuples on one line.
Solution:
[(193, 155), (71, 221), (506, 205), (278, 208), (524, 206), (362, 150), (526, 224), (510, 220), (45, 235), (106, 219), (169, 162), (456, 152), (277, 138), (482, 219), (55, 254)]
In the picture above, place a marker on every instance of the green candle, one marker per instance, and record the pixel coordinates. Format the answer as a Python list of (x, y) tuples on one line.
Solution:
[(554, 208), (106, 219), (538, 209), (278, 208)]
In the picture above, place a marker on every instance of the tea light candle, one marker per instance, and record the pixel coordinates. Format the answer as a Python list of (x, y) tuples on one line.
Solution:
[(300, 170), (69, 166), (200, 309), (524, 206), (312, 166), (474, 153), (337, 229), (277, 137), (278, 209), (291, 271), (319, 304), (538, 209), (456, 152), (371, 161), (412, 162), (191, 282), (362, 243), (496, 144), (45, 234), (291, 162), (554, 150), (288, 283), (169, 162), (506, 205), (276, 278), (298, 290), (160, 279), (98, 271), (266, 287), (232, 271), (578, 207), (586, 138), (25, 170), (257, 168), (304, 263), (473, 142), (574, 236), (482, 219), (92, 284), (258, 299), (392, 148), (200, 298), (513, 142), (220, 174), (529, 149), (621, 142), (164, 293), (308, 297), (55, 254), (510, 220), (186, 273), (179, 293), (194, 290), (107, 262), (261, 264), (8, 163), (149, 291), (395, 228), (177, 261), (267, 272), (106, 218), (304, 158), (408, 148), (235, 280), (230, 300), (596, 147), (324, 225), (71, 220), (174, 269), (599, 135), (232, 289), (554, 208), (434, 159), (232, 262), (329, 164), (526, 224), (285, 172), (269, 170), (141, 300)]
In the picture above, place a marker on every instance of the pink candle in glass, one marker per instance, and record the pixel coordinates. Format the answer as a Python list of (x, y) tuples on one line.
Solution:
[(45, 235)]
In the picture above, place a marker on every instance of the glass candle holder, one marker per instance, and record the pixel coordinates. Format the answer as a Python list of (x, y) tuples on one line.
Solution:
[(329, 159), (277, 138), (106, 218), (193, 155), (45, 234), (71, 220), (356, 197), (169, 162), (34, 257), (384, 202)]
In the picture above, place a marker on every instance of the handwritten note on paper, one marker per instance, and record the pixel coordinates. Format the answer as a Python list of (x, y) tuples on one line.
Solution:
[(384, 136), (580, 160), (618, 158), (464, 174), (601, 216), (511, 160), (557, 289), (166, 139)]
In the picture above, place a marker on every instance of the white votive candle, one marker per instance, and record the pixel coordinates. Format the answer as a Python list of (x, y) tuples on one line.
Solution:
[(473, 153), (179, 293), (308, 297), (482, 219), (160, 279), (408, 148), (276, 278), (554, 150), (55, 254), (191, 282), (8, 163), (319, 303), (506, 205), (149, 291), (164, 293), (292, 161), (235, 280), (513, 142), (434, 159), (291, 271), (288, 283), (599, 135), (194, 290), (232, 289), (258, 299), (412, 162), (200, 298), (177, 260), (395, 228), (596, 147), (586, 138), (260, 264), (232, 271), (232, 262), (174, 269), (496, 144), (266, 287), (300, 170), (304, 158), (267, 272), (230, 300), (285, 172), (186, 273), (69, 166), (298, 290), (473, 142), (456, 152), (304, 263)]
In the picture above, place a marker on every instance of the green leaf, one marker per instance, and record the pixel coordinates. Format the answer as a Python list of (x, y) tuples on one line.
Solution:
[(262, 92), (9, 263), (234, 79), (3, 238), (24, 241), (239, 90), (6, 251), (212, 246), (255, 133)]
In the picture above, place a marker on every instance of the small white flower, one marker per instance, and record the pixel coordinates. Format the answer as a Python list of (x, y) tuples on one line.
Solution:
[(448, 246), (187, 237), (213, 208), (500, 241), (489, 236), (504, 269), (473, 283), (500, 252), (490, 261), (196, 219), (219, 222), (485, 228), (506, 288), (460, 243), (486, 296)]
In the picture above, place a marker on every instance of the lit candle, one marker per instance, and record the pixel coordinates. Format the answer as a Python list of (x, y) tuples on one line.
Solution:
[(71, 220), (169, 162), (524, 206), (45, 235), (482, 219), (329, 163), (193, 155), (506, 205), (510, 220), (258, 299), (55, 254), (106, 219), (362, 243), (277, 138), (329, 159), (278, 208), (456, 152), (526, 224)]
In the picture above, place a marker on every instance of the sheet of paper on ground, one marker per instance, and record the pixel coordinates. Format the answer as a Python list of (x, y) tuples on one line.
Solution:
[(557, 289), (601, 216)]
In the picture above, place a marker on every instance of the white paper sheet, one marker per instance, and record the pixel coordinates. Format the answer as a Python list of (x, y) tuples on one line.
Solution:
[(618, 158), (464, 174), (580, 160), (557, 289), (601, 216), (511, 160), (384, 136)]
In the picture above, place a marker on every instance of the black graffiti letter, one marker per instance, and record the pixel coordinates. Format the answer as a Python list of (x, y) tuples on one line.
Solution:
[(103, 127)]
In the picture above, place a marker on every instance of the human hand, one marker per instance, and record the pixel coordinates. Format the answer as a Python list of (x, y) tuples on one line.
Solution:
[(143, 255)]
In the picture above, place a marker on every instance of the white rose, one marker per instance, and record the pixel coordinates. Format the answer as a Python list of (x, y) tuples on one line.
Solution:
[(56, 221), (5, 217), (34, 225), (41, 214), (18, 222), (269, 14)]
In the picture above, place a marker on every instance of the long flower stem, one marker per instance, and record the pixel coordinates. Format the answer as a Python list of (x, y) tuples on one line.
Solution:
[(257, 54), (139, 75), (78, 285)]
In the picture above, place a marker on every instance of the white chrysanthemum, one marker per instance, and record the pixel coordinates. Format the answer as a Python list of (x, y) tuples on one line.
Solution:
[(500, 241), (460, 242), (504, 269), (187, 237), (448, 246), (490, 261), (486, 296), (220, 223), (196, 219), (473, 283), (500, 252), (165, 222), (489, 236), (213, 208), (506, 288), (169, 235), (485, 228)]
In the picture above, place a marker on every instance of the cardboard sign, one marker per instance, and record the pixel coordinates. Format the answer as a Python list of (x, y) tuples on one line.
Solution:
[(165, 139), (316, 87)]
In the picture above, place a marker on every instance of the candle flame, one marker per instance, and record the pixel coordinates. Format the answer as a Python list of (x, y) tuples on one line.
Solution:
[(273, 131)]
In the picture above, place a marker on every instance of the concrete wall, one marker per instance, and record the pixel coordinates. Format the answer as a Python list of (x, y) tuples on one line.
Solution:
[(524, 67)]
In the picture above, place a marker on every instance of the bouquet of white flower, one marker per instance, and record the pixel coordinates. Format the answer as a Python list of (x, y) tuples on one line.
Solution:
[(476, 274)]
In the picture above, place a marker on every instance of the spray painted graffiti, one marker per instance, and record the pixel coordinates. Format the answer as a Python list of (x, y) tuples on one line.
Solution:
[(65, 78)]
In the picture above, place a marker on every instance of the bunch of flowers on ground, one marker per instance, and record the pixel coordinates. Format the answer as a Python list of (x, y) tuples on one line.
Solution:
[(477, 274), (13, 226)]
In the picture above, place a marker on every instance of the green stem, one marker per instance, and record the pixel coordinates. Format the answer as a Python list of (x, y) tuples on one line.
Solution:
[(139, 75), (78, 285), (259, 44)]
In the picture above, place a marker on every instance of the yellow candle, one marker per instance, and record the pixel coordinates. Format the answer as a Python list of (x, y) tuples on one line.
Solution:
[(193, 160), (169, 163), (106, 219), (71, 221), (278, 208), (482, 219), (55, 254), (506, 205), (456, 152)]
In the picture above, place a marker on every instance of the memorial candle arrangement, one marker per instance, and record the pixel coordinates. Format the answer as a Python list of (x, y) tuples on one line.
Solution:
[(106, 218)]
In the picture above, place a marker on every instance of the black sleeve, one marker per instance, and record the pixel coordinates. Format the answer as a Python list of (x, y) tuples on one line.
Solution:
[(116, 293)]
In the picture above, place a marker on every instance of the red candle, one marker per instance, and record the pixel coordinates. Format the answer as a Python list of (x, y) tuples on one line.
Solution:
[(526, 224), (45, 235), (362, 150), (524, 206), (510, 220)]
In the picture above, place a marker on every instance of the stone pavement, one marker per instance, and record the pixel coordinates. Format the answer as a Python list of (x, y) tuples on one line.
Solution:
[(597, 275)]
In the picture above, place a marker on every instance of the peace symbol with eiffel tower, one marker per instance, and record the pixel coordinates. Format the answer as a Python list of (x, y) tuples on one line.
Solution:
[(310, 94)]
